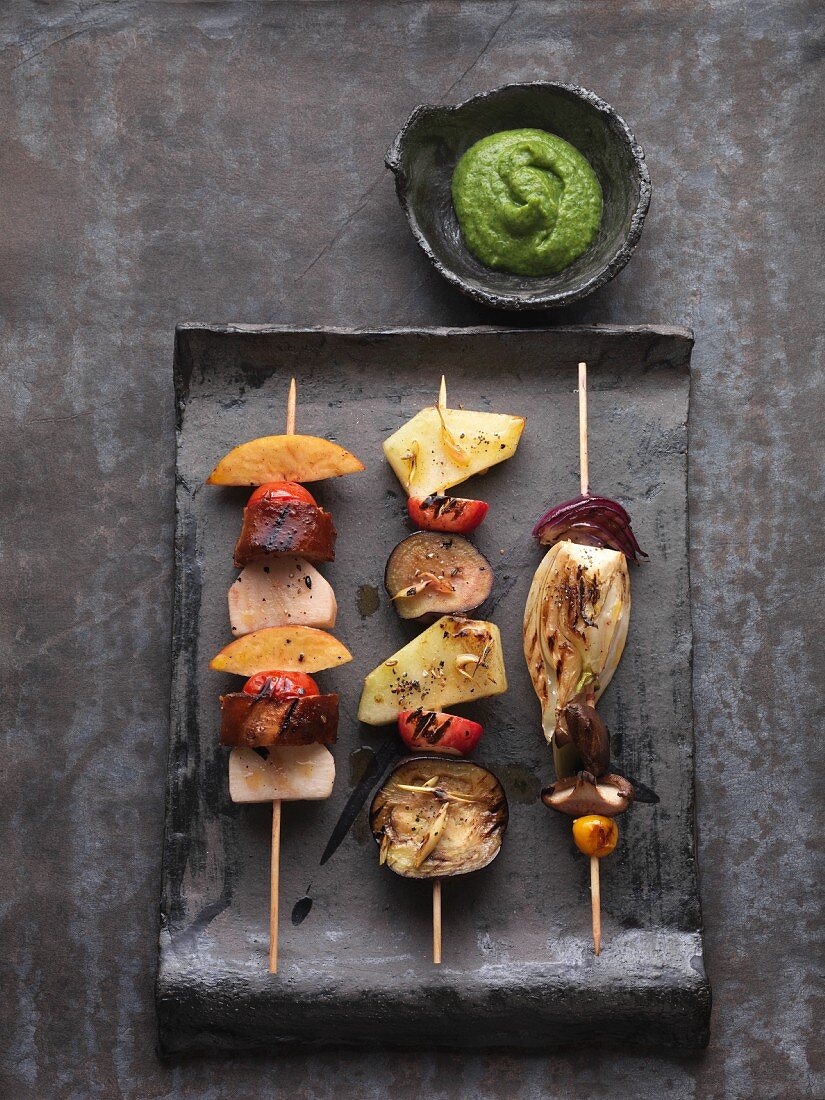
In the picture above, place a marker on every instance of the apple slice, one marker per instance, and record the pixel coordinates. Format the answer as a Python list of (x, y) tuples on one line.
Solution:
[(280, 592), (281, 774), (283, 458), (456, 660), (286, 648)]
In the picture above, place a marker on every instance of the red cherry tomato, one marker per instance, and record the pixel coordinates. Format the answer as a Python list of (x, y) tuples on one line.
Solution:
[(285, 685), (458, 515), (281, 490), (434, 731)]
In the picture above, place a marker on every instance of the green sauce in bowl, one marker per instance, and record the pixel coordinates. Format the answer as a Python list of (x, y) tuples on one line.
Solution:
[(527, 202)]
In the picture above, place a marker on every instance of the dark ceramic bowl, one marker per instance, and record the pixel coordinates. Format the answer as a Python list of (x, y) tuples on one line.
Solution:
[(430, 144)]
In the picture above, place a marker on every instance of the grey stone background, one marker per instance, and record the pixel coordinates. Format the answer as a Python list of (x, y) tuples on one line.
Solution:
[(223, 161)]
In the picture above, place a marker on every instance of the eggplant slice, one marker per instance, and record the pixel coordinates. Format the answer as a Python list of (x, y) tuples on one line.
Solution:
[(431, 573), (452, 824)]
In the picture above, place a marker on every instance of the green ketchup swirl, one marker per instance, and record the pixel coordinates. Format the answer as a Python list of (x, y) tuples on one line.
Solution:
[(527, 202)]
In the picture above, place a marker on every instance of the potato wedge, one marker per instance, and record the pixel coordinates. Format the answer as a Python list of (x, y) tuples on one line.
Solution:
[(286, 648), (439, 448), (283, 458), (454, 661)]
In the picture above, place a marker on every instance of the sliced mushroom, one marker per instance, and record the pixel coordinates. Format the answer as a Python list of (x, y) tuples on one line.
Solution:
[(436, 817), (584, 794), (431, 573), (589, 734)]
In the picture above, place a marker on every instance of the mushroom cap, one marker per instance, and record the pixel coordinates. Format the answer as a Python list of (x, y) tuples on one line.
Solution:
[(582, 794)]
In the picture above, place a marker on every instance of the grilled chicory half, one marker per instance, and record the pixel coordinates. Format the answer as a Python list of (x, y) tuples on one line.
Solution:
[(575, 626)]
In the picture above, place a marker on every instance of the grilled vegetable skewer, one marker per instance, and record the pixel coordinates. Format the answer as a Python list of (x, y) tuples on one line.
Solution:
[(279, 725), (430, 826), (575, 626)]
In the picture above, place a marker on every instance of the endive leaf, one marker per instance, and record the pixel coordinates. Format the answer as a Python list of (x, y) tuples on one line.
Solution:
[(575, 626)]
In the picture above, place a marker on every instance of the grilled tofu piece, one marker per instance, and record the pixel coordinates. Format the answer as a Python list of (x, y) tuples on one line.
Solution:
[(280, 592), (285, 527), (250, 721), (283, 773)]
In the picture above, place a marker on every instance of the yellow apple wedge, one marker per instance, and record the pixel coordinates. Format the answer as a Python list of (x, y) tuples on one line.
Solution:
[(286, 648), (284, 458)]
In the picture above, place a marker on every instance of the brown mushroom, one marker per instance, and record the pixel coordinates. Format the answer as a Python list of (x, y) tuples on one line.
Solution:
[(589, 734), (582, 794)]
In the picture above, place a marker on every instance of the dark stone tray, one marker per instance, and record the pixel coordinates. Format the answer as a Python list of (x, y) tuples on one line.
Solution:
[(518, 968)]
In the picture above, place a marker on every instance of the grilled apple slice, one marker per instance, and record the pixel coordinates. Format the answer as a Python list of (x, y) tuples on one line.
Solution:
[(281, 773), (441, 447), (284, 458), (435, 817), (287, 648), (454, 661)]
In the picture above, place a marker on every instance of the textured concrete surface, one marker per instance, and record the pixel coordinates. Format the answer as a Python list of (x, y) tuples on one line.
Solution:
[(224, 161)]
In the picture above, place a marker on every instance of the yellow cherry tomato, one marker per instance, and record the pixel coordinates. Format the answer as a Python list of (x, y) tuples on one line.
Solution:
[(595, 835)]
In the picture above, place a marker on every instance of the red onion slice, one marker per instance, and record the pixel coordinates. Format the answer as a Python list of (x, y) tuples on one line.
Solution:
[(591, 521)]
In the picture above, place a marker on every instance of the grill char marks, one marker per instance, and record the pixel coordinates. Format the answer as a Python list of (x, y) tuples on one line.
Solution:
[(251, 721), (285, 527)]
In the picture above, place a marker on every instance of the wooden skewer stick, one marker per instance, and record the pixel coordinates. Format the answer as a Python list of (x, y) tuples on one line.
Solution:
[(274, 876), (437, 920), (442, 404), (275, 859), (596, 904), (590, 695), (595, 886), (583, 464)]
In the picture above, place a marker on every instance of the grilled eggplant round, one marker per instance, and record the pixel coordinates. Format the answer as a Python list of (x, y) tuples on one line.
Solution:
[(430, 574), (436, 818)]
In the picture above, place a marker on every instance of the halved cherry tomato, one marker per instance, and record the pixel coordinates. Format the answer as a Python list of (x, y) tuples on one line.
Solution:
[(282, 490), (458, 515), (285, 685), (434, 731)]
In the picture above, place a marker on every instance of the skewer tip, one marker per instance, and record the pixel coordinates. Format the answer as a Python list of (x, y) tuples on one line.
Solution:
[(442, 393), (291, 402), (596, 905)]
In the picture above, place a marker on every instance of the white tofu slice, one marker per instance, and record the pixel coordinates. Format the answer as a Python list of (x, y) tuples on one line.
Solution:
[(288, 774), (281, 592)]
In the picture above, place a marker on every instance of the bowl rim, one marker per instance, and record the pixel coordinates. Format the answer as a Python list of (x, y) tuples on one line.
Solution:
[(505, 299)]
